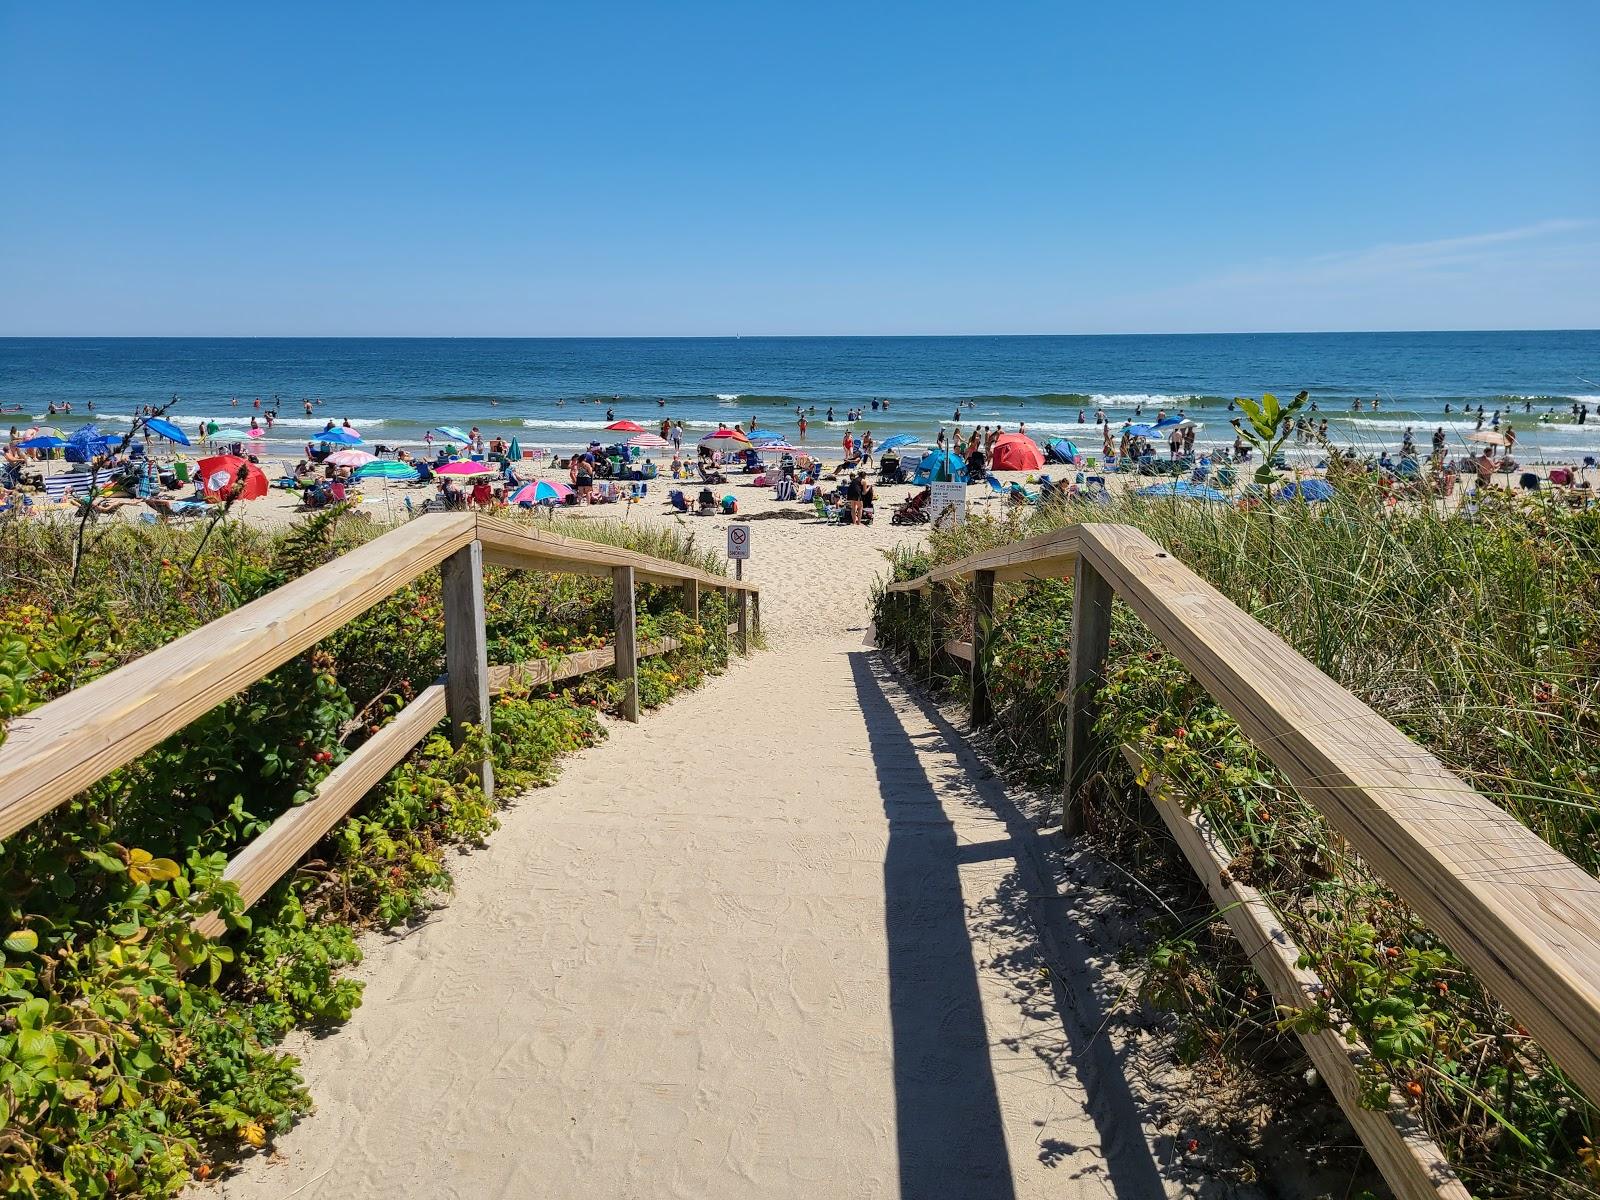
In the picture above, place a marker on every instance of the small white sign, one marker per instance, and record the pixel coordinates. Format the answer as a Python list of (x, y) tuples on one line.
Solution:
[(948, 504), (738, 540)]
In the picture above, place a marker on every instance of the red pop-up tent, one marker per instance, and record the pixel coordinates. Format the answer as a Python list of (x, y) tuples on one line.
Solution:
[(1015, 452)]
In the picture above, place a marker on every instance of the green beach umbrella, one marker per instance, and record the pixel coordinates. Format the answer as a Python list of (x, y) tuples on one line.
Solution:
[(516, 450)]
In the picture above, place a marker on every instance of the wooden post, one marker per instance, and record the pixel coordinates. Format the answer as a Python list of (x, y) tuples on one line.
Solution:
[(625, 632), (466, 649), (982, 631), (755, 612), (935, 642), (744, 621), (1091, 643), (691, 599)]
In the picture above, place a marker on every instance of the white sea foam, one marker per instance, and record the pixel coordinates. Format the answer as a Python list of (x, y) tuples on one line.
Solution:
[(725, 397)]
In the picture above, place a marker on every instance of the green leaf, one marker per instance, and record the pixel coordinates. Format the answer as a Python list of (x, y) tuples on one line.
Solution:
[(22, 941)]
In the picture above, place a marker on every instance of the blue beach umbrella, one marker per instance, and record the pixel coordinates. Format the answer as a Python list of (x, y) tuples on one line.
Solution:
[(338, 437), (44, 441), (1144, 431), (1063, 449), (898, 440), (1172, 422), (451, 433), (385, 468), (1185, 489), (165, 428)]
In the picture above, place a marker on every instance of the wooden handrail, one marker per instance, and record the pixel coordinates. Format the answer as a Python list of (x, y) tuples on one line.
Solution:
[(67, 744), (1523, 916)]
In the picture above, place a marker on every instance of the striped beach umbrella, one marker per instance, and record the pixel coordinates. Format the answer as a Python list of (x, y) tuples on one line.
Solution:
[(648, 441)]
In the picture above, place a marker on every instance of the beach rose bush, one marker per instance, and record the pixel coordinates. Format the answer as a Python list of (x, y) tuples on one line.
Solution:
[(1479, 638), (136, 1055)]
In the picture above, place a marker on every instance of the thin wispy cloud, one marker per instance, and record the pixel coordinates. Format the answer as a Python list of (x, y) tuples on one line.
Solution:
[(1391, 259)]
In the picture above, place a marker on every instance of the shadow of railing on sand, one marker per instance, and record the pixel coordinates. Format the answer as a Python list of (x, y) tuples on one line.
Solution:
[(951, 1135)]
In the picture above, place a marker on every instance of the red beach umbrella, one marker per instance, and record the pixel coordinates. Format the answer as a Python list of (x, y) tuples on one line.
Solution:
[(1015, 452), (220, 472), (626, 427)]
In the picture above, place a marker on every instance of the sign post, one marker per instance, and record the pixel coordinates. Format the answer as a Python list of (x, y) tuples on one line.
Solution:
[(738, 546)]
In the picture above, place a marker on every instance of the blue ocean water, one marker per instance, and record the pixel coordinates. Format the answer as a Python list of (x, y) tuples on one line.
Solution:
[(555, 392)]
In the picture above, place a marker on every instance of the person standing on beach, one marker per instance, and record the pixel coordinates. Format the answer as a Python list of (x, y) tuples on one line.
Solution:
[(802, 428), (677, 437), (866, 448), (1511, 439), (939, 441)]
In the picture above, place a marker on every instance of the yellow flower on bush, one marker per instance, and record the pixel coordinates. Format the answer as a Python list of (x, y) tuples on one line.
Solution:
[(142, 868)]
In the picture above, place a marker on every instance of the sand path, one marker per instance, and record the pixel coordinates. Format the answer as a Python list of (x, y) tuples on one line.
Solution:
[(785, 937)]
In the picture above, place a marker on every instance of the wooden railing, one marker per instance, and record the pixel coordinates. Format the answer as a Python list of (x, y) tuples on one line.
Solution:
[(1524, 917), (62, 747)]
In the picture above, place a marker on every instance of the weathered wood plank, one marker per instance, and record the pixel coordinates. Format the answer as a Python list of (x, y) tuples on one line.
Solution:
[(1410, 1160), (466, 651), (1523, 916), (509, 543), (1091, 643), (62, 747), (625, 632), (958, 649), (741, 621)]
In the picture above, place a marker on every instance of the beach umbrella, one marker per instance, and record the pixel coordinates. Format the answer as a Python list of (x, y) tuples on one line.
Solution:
[(779, 447), (541, 491), (1167, 424), (350, 458), (340, 437), (515, 452), (648, 441), (625, 426), (1144, 431), (898, 440), (464, 468), (230, 435), (45, 441), (1487, 437), (723, 439), (165, 428), (1015, 452), (380, 468), (218, 474), (451, 433), (1312, 490), (1185, 489)]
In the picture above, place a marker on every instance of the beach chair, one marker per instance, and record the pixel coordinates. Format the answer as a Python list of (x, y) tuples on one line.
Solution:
[(1021, 495), (676, 498), (825, 511)]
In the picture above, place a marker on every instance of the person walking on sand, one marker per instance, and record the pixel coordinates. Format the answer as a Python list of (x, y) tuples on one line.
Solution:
[(802, 428), (866, 448)]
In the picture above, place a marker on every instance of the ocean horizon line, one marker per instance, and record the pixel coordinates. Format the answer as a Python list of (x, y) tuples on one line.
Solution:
[(733, 337)]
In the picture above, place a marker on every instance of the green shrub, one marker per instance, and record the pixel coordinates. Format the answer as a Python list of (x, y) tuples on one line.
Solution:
[(134, 1053)]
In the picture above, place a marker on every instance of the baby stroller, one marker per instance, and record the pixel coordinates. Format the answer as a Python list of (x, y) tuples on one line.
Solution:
[(914, 511)]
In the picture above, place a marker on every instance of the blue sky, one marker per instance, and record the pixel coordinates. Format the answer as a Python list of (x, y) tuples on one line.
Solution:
[(718, 168)]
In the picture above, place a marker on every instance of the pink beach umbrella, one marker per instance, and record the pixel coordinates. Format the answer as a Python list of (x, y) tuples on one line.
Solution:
[(540, 491), (464, 468), (649, 441), (350, 458)]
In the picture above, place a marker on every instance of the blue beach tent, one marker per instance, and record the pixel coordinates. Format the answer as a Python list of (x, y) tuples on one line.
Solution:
[(941, 466), (1313, 490), (87, 444)]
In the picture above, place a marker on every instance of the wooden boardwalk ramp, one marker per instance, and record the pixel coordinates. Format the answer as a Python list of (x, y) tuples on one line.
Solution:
[(726, 956)]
